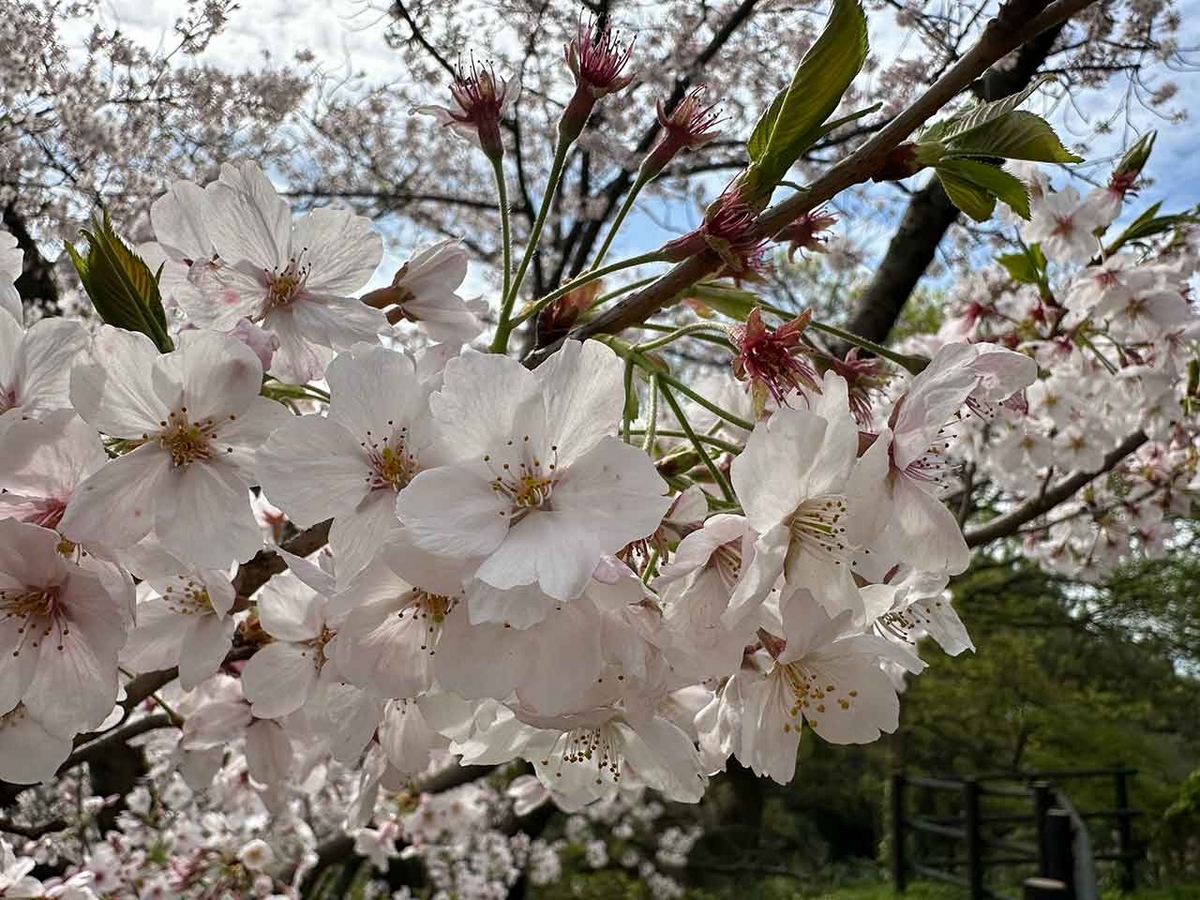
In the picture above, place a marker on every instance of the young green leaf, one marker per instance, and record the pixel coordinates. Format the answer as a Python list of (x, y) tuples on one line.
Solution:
[(969, 181), (1014, 135), (979, 115), (795, 118), (123, 290)]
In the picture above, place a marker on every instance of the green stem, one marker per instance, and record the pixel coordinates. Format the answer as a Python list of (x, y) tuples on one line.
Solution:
[(648, 572), (591, 275), (1090, 344), (727, 446), (676, 334), (716, 473), (627, 412), (504, 326), (634, 190), (505, 228), (706, 403), (652, 418), (913, 364)]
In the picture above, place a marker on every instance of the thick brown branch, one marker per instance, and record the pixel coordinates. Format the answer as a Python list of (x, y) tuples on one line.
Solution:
[(1007, 524), (33, 832)]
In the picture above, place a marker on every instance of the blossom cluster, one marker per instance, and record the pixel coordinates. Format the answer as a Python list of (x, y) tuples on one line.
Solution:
[(506, 577), (362, 545), (1107, 314)]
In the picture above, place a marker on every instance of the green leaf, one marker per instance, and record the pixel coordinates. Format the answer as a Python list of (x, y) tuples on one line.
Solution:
[(795, 118), (1149, 224), (975, 186), (1019, 267), (979, 115), (123, 290), (729, 301), (1015, 135), (967, 196)]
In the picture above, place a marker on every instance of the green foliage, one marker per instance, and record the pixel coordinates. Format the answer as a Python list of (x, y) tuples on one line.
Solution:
[(1028, 267), (123, 290), (974, 187), (967, 149), (1150, 224), (796, 116)]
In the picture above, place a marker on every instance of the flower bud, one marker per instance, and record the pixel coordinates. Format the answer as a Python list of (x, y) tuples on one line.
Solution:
[(690, 126), (597, 59)]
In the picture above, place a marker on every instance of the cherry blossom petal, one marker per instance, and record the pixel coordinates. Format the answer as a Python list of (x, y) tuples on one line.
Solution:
[(343, 247), (118, 504), (114, 392)]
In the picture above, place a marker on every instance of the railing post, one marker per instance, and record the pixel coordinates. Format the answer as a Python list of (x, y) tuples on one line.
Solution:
[(1060, 851), (1124, 828), (1043, 799), (970, 801), (899, 876)]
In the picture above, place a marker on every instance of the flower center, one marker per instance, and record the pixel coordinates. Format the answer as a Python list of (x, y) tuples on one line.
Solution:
[(817, 527), (590, 746), (285, 286), (812, 695), (8, 399), (727, 560), (931, 466), (318, 644), (190, 599), (527, 486), (1064, 225), (40, 612), (431, 609), (392, 465), (187, 441)]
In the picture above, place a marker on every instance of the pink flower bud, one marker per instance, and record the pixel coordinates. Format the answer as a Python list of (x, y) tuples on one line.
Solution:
[(264, 343)]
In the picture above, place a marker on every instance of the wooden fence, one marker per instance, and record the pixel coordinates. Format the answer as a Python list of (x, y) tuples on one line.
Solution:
[(1039, 838)]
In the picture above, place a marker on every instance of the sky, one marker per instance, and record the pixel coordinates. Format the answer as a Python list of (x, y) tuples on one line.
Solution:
[(346, 36)]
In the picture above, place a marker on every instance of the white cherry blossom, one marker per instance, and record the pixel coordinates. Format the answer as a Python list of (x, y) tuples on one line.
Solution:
[(293, 278), (60, 631), (196, 419), (547, 490)]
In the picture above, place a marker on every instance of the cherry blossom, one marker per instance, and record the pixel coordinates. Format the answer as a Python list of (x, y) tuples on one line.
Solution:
[(548, 491), (826, 676), (194, 417), (351, 464), (60, 631), (293, 278), (424, 291), (35, 364), (11, 257)]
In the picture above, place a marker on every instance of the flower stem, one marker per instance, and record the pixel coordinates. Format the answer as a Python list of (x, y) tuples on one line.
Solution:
[(727, 446), (505, 229), (634, 190), (621, 291), (716, 473), (914, 364), (504, 327), (627, 412), (586, 277), (682, 331), (706, 403), (652, 418)]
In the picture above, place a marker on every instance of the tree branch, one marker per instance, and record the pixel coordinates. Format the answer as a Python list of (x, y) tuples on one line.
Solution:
[(1017, 22), (1007, 524)]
